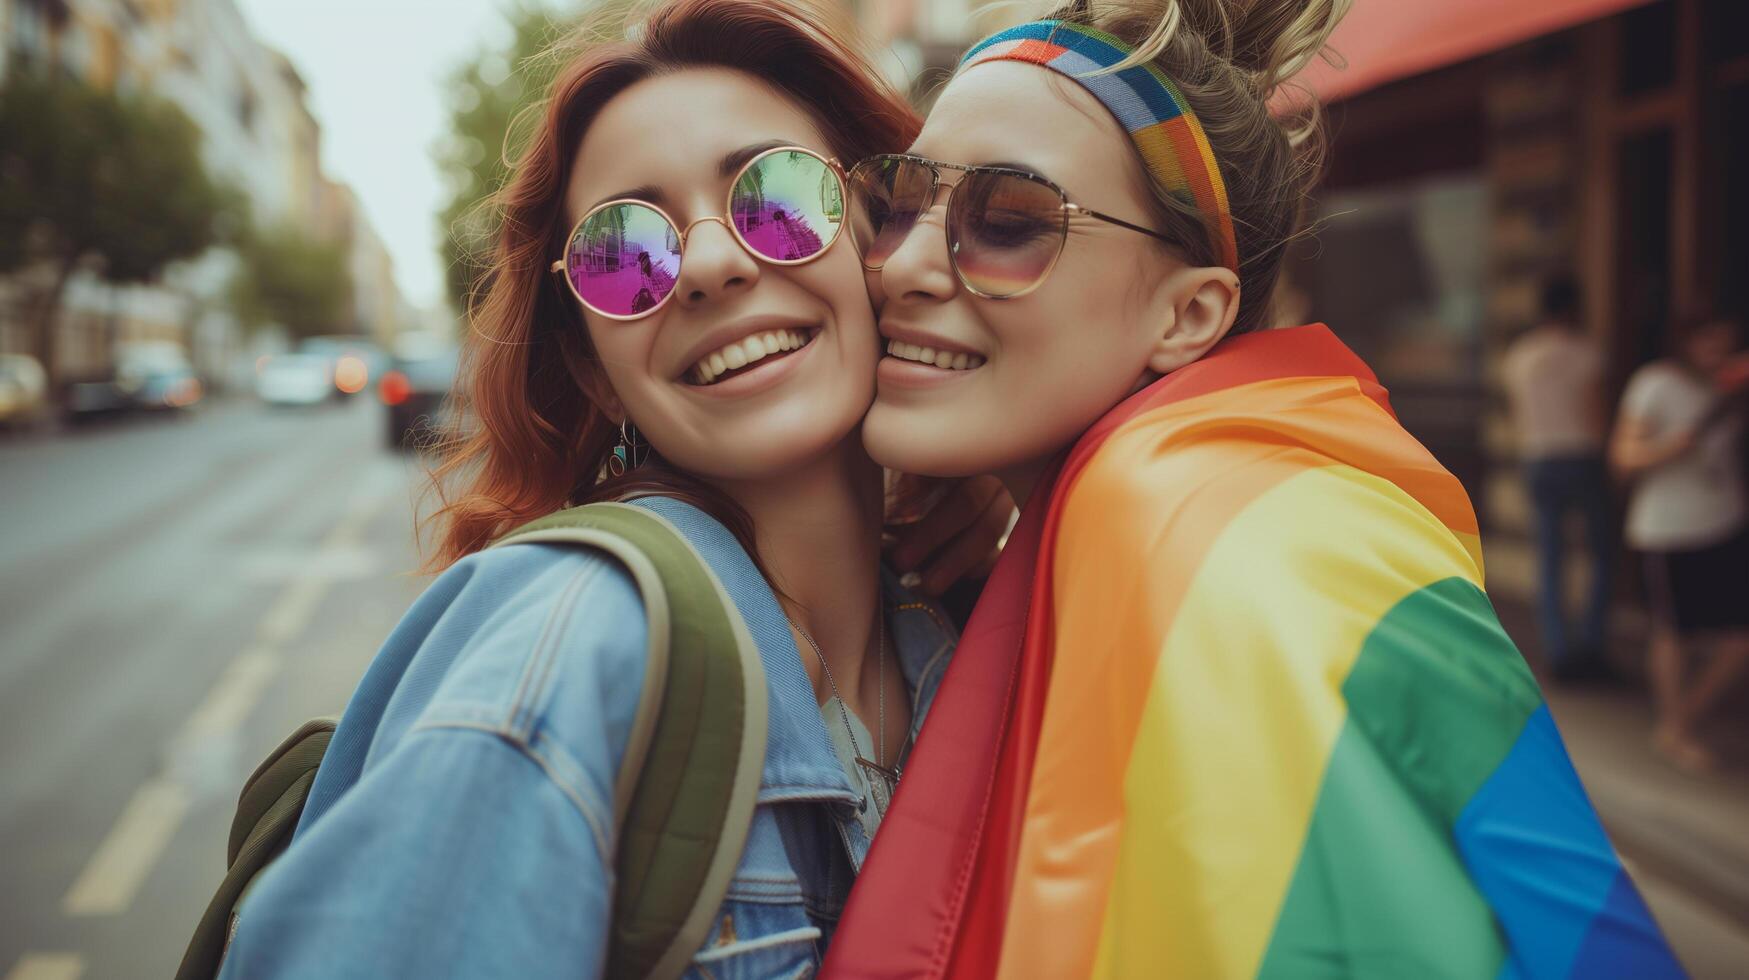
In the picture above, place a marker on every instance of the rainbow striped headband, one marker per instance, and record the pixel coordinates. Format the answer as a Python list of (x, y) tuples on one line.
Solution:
[(1145, 102)]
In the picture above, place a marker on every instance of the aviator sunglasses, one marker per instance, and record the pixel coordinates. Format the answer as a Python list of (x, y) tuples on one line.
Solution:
[(1005, 228), (785, 206)]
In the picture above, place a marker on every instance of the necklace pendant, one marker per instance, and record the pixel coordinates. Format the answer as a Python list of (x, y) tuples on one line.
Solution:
[(888, 776), (882, 782)]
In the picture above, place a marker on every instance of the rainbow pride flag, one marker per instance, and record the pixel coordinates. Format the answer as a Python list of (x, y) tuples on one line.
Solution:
[(1235, 704)]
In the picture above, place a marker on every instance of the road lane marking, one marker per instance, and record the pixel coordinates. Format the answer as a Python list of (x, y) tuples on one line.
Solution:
[(228, 703), (48, 966), (112, 878), (291, 612), (136, 843)]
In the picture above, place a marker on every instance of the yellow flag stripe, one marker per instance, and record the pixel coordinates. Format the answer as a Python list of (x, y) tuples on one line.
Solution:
[(1244, 711)]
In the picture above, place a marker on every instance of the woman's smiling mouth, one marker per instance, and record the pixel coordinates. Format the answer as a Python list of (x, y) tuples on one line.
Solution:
[(741, 356), (945, 359), (756, 354)]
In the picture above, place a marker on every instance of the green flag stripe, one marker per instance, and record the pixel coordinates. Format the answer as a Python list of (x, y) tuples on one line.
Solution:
[(1379, 891), (1436, 699), (1443, 693)]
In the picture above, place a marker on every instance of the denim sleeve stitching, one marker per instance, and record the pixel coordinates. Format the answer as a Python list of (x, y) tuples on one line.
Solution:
[(557, 646), (546, 650), (534, 656), (598, 825)]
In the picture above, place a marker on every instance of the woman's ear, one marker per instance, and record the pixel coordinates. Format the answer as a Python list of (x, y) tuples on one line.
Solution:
[(1200, 306)]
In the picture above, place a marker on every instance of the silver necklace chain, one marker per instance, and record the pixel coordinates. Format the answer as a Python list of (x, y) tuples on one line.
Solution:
[(879, 765)]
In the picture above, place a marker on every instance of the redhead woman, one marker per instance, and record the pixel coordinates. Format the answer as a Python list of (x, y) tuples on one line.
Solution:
[(1234, 702), (671, 303)]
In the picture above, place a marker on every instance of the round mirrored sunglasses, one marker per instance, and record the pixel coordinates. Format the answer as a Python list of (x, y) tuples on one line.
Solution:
[(785, 206)]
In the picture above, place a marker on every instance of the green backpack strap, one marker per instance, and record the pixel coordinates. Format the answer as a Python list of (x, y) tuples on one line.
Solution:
[(686, 789), (267, 813)]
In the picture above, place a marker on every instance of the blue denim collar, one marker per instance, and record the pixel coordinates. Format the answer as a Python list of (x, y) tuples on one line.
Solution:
[(799, 760)]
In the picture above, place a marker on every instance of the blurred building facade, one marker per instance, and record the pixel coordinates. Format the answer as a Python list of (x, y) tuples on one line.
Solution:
[(258, 135), (1602, 141), (376, 300)]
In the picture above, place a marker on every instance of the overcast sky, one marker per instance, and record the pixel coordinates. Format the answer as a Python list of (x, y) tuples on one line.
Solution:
[(375, 69)]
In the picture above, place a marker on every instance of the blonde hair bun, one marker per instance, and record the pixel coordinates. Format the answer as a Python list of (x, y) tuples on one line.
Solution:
[(1269, 40)]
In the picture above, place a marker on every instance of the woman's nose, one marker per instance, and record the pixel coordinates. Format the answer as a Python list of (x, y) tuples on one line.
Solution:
[(920, 269), (713, 263)]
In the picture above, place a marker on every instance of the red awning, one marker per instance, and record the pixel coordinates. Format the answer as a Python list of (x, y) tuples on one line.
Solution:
[(1384, 40)]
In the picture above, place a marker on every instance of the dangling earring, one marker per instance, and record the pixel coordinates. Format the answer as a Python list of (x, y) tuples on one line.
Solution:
[(631, 451)]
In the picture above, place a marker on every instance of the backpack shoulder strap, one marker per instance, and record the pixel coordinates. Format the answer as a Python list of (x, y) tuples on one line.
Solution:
[(267, 813), (685, 793)]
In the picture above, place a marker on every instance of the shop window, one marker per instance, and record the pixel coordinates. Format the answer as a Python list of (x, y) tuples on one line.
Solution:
[(1648, 48), (1398, 271)]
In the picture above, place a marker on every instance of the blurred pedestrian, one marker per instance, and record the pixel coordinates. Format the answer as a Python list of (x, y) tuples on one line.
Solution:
[(1554, 383), (1680, 438)]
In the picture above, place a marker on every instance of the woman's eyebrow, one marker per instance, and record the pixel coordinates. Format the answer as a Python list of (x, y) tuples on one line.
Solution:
[(1024, 168), (727, 164), (736, 159), (648, 193)]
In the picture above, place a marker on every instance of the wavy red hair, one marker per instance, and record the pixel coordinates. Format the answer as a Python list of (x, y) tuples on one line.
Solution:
[(532, 431)]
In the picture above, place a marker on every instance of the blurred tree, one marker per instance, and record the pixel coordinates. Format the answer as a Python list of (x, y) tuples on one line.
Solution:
[(488, 125), (485, 96), (106, 179), (288, 278)]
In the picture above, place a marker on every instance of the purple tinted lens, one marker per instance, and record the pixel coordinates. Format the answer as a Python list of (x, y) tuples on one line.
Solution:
[(624, 259), (788, 206), (1004, 231)]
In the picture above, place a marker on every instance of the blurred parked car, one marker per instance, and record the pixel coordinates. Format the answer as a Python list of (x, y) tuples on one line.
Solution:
[(151, 376), (355, 360), (94, 397), (156, 376), (414, 390), (295, 379), (23, 388)]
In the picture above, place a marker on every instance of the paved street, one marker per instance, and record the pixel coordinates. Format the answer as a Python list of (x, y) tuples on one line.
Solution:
[(175, 596)]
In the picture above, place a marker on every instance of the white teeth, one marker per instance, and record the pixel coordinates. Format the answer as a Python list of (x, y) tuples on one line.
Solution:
[(948, 360), (748, 350)]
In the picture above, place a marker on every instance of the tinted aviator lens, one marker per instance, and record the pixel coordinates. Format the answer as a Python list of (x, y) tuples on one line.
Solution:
[(787, 206), (1004, 231), (623, 259), (887, 195)]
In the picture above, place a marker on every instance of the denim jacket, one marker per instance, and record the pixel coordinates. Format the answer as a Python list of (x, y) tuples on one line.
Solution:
[(462, 821)]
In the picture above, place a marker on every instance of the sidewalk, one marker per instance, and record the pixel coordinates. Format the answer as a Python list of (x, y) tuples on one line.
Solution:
[(1684, 836)]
